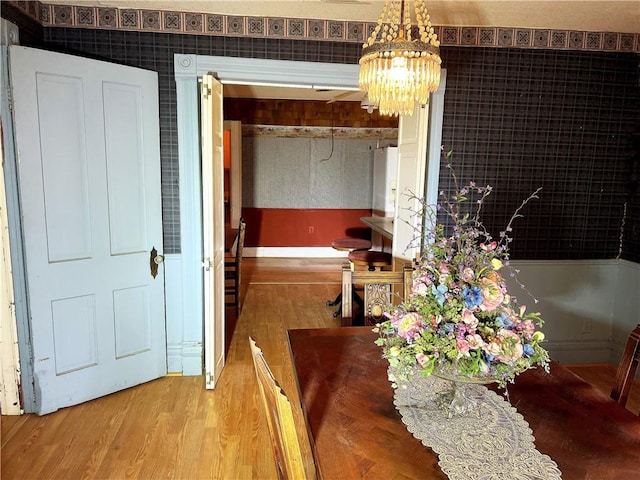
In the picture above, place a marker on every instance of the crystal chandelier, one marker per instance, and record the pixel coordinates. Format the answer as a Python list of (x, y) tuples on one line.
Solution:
[(400, 64)]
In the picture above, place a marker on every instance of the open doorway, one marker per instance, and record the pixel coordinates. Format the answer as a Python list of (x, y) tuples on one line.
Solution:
[(185, 293), (189, 295)]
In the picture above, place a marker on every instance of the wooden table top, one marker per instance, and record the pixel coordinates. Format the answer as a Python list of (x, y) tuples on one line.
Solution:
[(382, 225), (358, 433)]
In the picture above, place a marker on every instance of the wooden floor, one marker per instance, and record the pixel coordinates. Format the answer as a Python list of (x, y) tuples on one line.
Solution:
[(173, 427)]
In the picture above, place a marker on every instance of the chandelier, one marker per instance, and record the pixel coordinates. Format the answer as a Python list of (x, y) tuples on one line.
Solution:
[(400, 63)]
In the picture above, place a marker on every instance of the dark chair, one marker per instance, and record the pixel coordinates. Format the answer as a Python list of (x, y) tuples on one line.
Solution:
[(377, 287), (291, 461), (372, 259), (233, 270), (627, 368)]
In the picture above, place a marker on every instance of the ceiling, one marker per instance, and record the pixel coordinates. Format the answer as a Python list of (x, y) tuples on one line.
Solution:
[(289, 93), (583, 15)]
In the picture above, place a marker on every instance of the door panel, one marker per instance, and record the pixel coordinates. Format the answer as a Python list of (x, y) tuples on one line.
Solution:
[(64, 182), (87, 141), (211, 128), (412, 159), (74, 319), (125, 179)]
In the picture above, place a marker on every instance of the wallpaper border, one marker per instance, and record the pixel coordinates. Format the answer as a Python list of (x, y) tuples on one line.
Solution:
[(194, 23)]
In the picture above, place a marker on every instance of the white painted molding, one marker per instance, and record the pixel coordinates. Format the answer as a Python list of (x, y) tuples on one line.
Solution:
[(192, 353), (191, 294), (566, 263), (434, 154), (572, 345), (9, 33), (255, 71)]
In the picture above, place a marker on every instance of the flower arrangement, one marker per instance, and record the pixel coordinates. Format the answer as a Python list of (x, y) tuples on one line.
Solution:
[(459, 320)]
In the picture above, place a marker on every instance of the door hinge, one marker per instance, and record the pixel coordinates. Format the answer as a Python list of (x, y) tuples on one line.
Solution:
[(207, 264), (206, 92)]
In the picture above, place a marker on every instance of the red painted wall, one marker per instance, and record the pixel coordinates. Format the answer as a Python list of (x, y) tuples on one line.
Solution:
[(292, 227)]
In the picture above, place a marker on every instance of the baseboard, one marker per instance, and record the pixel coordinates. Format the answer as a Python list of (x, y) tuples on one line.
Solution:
[(293, 252)]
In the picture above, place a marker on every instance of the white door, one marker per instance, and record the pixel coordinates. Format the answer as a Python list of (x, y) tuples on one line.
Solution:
[(87, 140), (211, 129), (412, 160)]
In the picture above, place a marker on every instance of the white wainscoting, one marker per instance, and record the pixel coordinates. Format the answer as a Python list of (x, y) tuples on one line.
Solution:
[(582, 304), (184, 350)]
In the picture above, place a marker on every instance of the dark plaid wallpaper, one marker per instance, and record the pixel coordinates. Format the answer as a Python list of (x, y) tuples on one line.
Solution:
[(565, 121)]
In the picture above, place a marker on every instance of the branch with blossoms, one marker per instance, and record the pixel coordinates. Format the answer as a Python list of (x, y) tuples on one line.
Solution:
[(459, 314)]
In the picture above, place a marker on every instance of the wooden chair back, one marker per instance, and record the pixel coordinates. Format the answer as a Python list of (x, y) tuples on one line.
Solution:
[(627, 368), (291, 462), (233, 269), (378, 291)]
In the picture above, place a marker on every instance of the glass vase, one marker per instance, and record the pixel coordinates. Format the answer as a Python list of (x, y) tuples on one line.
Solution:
[(457, 400)]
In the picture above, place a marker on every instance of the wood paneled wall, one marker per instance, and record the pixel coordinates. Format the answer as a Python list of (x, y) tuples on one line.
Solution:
[(251, 111)]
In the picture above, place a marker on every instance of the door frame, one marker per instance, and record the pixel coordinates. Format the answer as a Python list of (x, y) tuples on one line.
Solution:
[(22, 363), (187, 301)]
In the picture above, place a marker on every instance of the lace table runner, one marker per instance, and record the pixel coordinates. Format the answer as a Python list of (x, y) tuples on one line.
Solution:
[(495, 443)]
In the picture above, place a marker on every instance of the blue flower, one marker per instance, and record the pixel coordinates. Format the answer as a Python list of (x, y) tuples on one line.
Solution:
[(439, 293), (503, 321), (472, 296), (488, 358), (527, 349)]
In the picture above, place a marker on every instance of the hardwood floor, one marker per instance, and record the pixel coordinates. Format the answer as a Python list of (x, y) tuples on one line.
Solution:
[(173, 427)]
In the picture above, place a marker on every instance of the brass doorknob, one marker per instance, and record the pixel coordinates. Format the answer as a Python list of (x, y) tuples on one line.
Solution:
[(155, 259)]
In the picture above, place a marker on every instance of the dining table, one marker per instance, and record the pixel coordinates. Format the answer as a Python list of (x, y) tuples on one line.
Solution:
[(356, 430)]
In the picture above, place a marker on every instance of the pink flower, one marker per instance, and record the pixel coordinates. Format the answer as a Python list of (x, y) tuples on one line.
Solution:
[(527, 327), (475, 341), (409, 325), (489, 247), (422, 358), (444, 270), (463, 347), (493, 348), (492, 292), (468, 275), (510, 346), (420, 288), (469, 318)]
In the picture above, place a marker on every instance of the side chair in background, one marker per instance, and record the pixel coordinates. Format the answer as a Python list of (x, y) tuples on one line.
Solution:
[(233, 270)]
